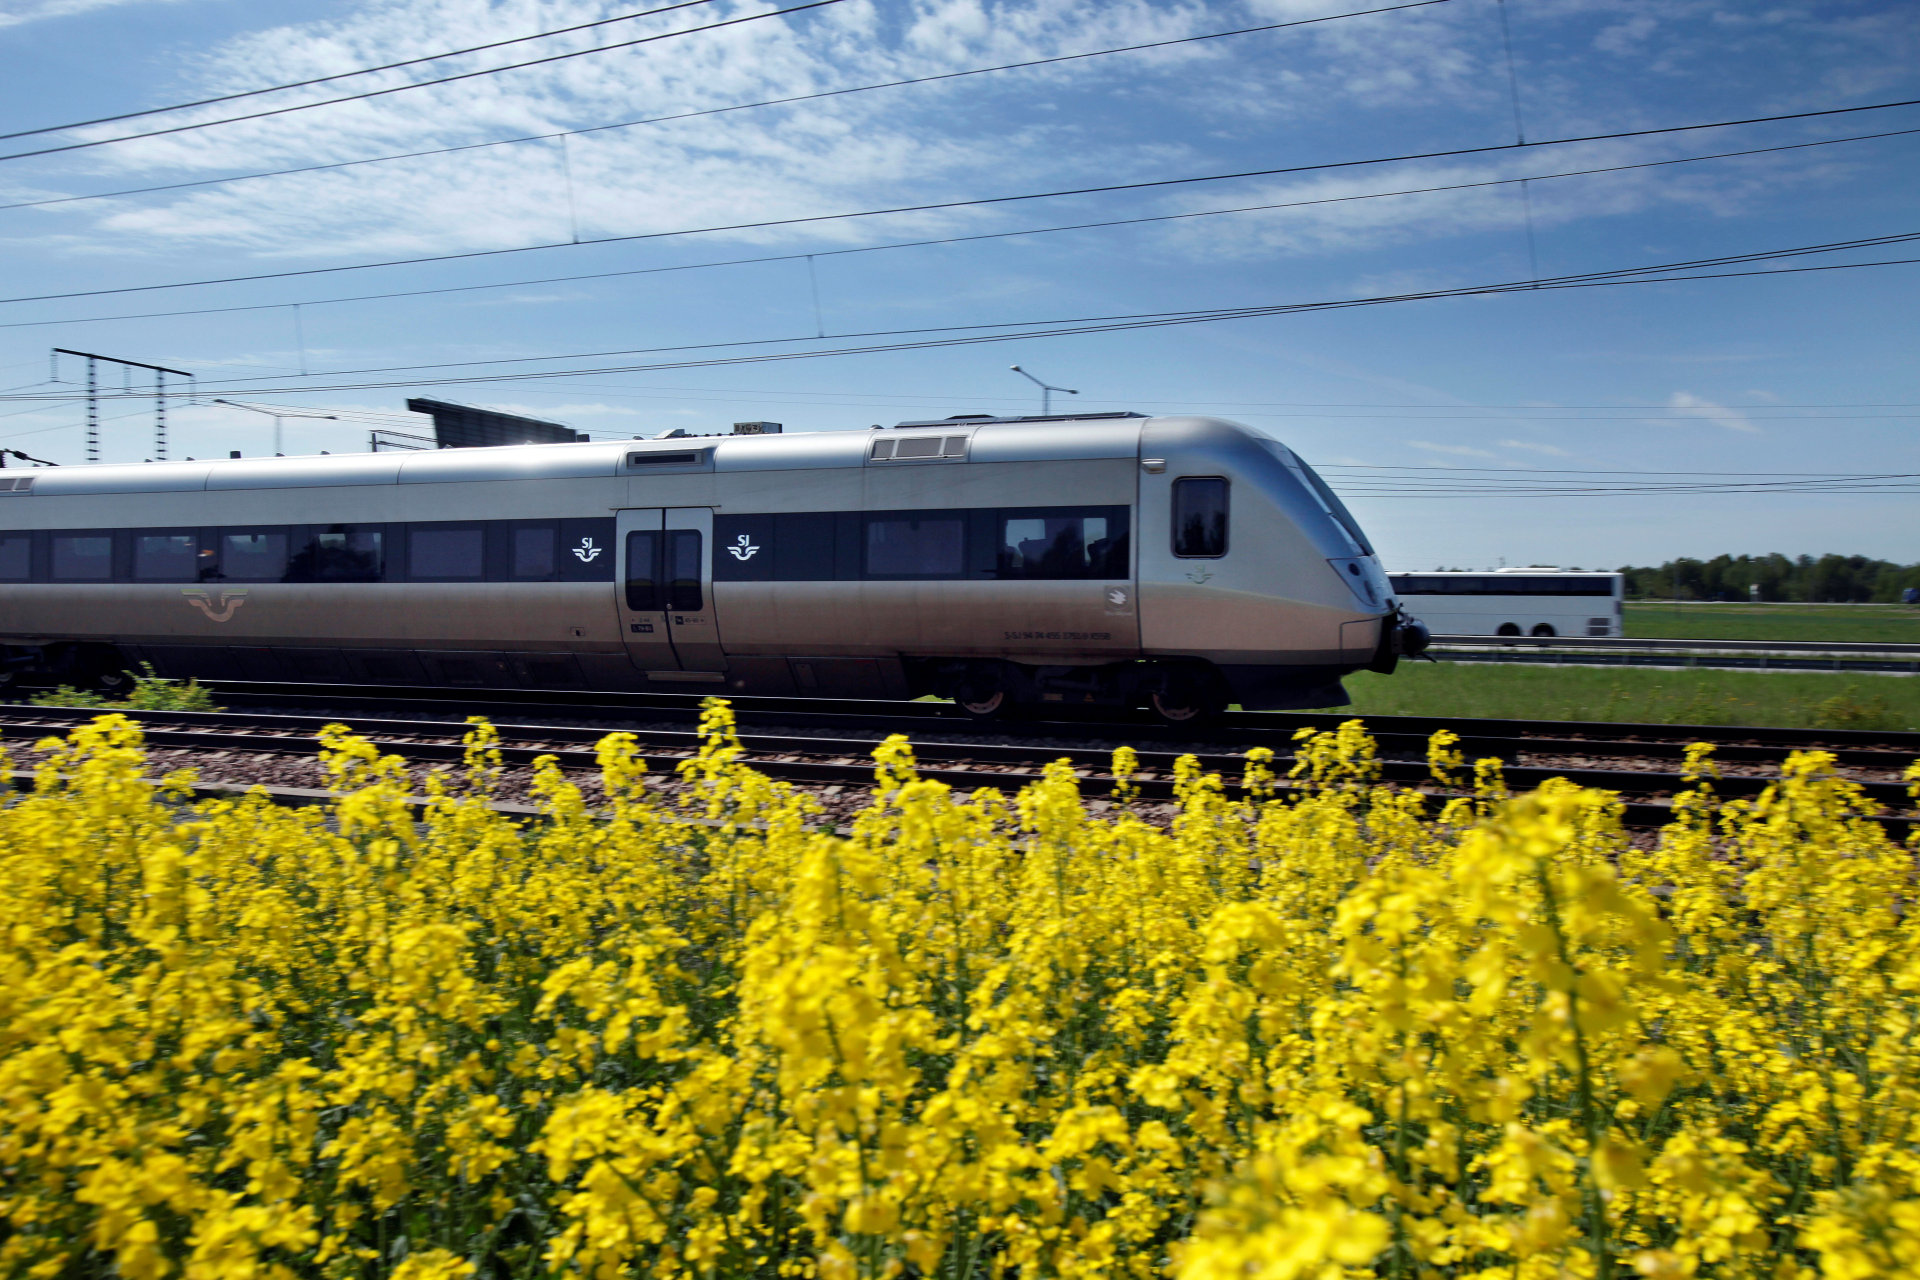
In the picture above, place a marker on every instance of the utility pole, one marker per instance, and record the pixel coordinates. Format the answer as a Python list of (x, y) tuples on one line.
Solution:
[(160, 373)]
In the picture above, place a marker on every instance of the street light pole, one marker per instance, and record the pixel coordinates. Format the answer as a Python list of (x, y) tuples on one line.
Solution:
[(276, 413), (1046, 391)]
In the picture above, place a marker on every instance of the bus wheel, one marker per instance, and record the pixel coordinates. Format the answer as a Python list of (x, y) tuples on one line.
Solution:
[(1544, 629), (1508, 629)]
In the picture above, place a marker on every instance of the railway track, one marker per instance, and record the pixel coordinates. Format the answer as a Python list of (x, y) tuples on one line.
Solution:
[(828, 752)]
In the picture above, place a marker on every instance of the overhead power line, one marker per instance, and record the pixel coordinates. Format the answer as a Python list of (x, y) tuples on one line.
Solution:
[(947, 240), (970, 335), (714, 111), (975, 202), (344, 75), (420, 84), (1692, 264)]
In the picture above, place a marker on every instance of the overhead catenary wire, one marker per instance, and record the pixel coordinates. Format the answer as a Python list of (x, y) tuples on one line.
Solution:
[(418, 84), (971, 335), (790, 100), (1533, 282), (973, 202), (1113, 325), (949, 240), (361, 71)]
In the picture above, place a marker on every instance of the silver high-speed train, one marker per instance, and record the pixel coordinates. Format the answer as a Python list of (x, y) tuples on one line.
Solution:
[(1174, 562)]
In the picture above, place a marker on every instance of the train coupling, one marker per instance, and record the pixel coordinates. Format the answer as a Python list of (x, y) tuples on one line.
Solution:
[(1401, 636)]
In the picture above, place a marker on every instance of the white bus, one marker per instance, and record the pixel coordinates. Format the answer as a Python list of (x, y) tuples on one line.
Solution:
[(1514, 602)]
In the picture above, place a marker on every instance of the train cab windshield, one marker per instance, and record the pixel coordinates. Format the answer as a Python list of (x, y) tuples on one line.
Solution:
[(1327, 498)]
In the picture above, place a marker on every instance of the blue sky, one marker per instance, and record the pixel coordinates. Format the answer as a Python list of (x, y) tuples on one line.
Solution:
[(1767, 379)]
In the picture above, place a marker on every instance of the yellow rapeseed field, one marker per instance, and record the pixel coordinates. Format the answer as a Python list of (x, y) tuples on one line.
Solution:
[(1325, 1033)]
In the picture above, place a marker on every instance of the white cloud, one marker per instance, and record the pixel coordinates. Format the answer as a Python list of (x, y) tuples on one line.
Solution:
[(1535, 446), (18, 12), (1626, 37), (1688, 405), (832, 155), (865, 150), (1460, 450)]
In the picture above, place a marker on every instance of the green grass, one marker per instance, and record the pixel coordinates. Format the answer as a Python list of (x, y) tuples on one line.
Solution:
[(1810, 700), (1866, 623)]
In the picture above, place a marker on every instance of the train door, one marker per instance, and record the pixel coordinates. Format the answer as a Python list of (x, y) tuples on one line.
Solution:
[(666, 587), (692, 619)]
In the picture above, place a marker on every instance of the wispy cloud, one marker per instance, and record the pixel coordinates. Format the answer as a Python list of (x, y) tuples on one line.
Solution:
[(19, 12), (1688, 405), (833, 155), (1534, 446), (973, 136), (1458, 450)]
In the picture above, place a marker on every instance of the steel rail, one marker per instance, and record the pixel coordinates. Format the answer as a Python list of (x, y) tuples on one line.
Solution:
[(1239, 729), (846, 761)]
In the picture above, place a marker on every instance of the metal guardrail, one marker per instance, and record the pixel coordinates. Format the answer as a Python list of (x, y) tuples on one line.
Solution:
[(1835, 647), (1770, 655)]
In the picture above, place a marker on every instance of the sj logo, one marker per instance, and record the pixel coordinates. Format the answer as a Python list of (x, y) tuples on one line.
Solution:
[(587, 552), (230, 601), (743, 548)]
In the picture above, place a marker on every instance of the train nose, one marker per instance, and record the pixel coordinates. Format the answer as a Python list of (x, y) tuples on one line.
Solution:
[(1400, 637)]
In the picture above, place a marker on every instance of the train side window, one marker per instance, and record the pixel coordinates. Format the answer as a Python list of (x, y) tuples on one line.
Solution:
[(16, 557), (1200, 517), (643, 571), (1062, 543), (531, 552), (916, 546), (453, 553), (257, 556), (341, 553), (82, 557), (803, 546), (163, 556), (683, 571)]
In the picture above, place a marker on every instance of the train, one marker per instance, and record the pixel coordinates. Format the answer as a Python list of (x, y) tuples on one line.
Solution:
[(1175, 563)]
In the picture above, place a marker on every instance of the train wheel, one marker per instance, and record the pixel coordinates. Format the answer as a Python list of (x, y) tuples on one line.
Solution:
[(1188, 698), (113, 681), (983, 695), (990, 707)]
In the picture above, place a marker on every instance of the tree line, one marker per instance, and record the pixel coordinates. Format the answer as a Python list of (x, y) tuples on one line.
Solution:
[(1826, 579)]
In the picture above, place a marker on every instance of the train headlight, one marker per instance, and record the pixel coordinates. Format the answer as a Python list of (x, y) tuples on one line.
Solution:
[(1364, 579)]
